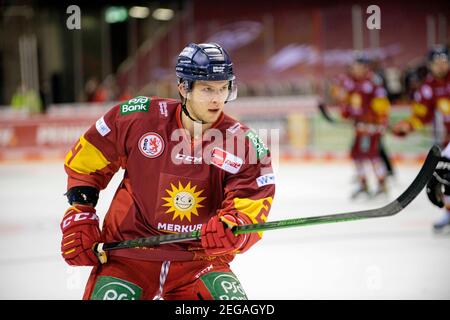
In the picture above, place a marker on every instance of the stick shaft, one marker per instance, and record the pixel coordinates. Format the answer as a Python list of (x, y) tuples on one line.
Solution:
[(388, 210)]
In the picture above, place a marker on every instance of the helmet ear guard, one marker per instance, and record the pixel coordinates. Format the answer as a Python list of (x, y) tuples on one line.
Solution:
[(186, 85), (232, 91)]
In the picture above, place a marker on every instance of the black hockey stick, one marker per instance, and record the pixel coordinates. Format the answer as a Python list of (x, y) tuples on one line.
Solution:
[(324, 111), (390, 209)]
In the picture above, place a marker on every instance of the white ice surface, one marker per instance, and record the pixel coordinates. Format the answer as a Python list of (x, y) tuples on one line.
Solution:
[(387, 258)]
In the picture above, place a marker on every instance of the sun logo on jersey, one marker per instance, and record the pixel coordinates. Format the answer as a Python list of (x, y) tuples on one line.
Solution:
[(183, 201)]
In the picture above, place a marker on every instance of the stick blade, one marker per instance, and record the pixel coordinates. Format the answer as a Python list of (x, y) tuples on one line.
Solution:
[(422, 178)]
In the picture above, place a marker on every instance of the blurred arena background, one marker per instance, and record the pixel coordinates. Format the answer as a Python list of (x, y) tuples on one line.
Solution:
[(60, 73)]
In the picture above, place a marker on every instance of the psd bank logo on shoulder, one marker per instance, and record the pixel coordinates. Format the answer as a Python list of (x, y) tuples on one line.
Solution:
[(138, 104)]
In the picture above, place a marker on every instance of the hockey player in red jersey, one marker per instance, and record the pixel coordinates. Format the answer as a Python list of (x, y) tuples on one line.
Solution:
[(188, 166), (339, 96), (366, 105), (431, 105)]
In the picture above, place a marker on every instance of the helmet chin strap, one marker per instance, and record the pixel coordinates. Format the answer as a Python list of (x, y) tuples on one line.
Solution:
[(186, 112)]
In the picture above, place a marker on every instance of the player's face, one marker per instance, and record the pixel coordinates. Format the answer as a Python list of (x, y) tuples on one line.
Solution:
[(358, 70), (207, 99), (439, 67)]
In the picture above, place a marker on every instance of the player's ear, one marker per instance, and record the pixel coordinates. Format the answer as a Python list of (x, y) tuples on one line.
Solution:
[(182, 89)]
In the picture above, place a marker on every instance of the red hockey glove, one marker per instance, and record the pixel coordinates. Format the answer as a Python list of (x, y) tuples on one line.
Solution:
[(80, 228), (217, 238), (402, 128)]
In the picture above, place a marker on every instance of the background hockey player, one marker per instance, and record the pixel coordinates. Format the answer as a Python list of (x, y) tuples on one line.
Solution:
[(188, 166), (431, 105), (366, 105), (339, 96), (431, 100), (438, 189)]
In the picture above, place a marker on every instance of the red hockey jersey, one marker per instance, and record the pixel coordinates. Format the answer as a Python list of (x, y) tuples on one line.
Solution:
[(366, 101), (171, 184), (431, 99)]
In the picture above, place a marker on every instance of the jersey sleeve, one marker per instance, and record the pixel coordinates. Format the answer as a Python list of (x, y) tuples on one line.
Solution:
[(380, 105), (249, 193), (97, 155)]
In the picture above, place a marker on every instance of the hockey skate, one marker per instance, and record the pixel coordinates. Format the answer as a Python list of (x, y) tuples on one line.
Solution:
[(443, 223), (361, 191), (381, 191)]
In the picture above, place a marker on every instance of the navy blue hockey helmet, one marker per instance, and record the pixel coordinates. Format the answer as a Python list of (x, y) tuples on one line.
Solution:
[(205, 61), (438, 51), (361, 57)]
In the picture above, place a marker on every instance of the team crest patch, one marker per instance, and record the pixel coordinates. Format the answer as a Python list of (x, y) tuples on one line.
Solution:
[(151, 145)]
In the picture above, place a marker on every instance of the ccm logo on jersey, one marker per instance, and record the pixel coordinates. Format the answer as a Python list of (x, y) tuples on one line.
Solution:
[(151, 145), (226, 161), (79, 217), (196, 160), (265, 180)]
